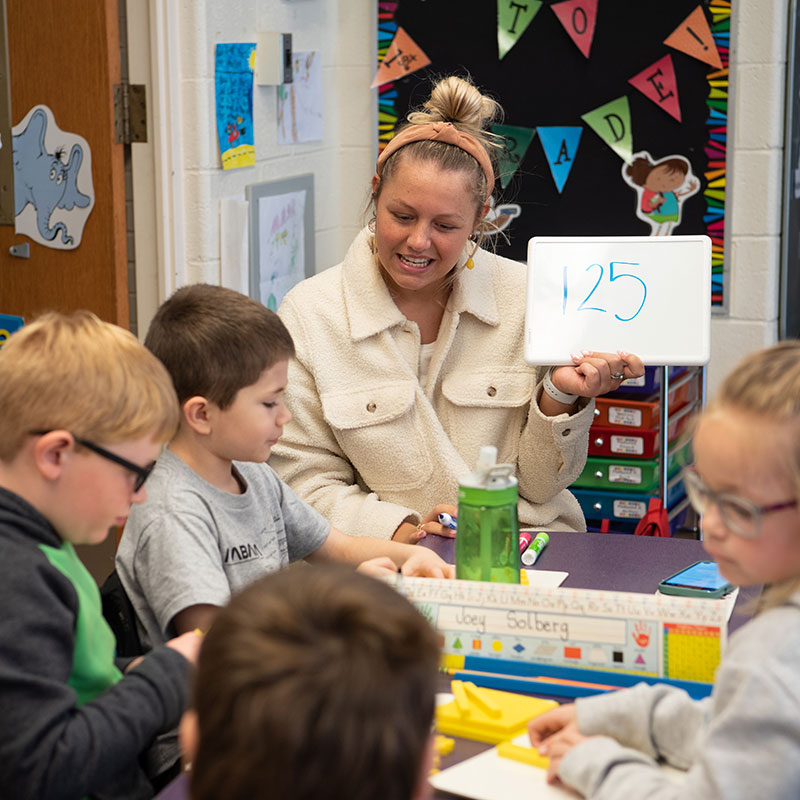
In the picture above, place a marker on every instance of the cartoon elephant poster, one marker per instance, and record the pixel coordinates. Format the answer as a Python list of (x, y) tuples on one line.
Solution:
[(53, 189)]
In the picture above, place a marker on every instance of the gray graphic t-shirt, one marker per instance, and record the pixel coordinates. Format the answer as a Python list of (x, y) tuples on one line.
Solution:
[(190, 543)]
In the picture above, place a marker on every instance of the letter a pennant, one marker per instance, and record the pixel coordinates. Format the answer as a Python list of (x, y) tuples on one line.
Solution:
[(403, 57), (693, 37), (578, 18), (560, 144), (612, 123), (657, 83), (513, 17)]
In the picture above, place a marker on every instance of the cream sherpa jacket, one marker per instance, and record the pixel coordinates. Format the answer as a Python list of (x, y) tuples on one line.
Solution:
[(369, 447)]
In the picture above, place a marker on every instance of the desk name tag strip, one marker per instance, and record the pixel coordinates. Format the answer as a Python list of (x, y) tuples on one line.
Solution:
[(653, 635)]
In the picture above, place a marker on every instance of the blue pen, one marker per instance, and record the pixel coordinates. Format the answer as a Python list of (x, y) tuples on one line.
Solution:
[(448, 521)]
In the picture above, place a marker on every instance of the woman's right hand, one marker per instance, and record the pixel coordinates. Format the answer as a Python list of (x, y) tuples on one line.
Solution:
[(411, 534)]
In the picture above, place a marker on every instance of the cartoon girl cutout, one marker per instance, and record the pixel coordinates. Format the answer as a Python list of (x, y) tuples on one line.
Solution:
[(661, 186)]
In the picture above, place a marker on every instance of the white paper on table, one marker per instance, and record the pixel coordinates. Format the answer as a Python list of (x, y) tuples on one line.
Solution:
[(487, 776), (545, 577)]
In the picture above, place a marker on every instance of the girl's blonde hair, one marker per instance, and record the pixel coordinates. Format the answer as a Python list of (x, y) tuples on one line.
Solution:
[(766, 386), (77, 373)]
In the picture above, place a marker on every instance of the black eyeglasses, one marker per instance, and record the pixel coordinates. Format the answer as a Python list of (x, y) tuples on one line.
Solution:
[(142, 473)]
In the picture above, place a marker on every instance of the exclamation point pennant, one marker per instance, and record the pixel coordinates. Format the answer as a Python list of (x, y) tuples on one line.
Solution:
[(403, 57), (578, 18), (693, 37), (612, 123), (560, 144), (513, 17), (657, 83)]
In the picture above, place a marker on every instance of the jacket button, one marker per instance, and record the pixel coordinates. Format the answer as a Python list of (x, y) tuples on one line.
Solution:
[(566, 432), (371, 407), (491, 391)]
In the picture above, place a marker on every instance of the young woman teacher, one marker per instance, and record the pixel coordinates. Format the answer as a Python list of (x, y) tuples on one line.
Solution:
[(410, 352)]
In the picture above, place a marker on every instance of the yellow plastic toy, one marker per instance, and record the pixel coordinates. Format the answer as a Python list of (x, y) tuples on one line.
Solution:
[(493, 717), (527, 755)]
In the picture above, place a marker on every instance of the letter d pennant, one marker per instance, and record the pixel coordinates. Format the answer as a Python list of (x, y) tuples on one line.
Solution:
[(560, 144), (612, 123)]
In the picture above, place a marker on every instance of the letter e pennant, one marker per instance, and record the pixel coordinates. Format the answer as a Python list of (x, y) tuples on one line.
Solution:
[(657, 83)]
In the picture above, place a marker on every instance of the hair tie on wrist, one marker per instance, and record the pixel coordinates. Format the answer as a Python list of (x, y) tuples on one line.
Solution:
[(556, 393)]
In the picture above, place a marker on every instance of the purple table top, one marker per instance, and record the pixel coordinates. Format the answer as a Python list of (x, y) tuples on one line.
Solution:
[(618, 562)]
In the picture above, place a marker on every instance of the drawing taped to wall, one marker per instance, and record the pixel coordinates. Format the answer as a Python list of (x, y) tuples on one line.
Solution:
[(53, 191)]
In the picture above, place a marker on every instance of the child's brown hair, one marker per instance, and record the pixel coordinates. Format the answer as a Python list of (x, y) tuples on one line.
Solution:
[(214, 341), (314, 682)]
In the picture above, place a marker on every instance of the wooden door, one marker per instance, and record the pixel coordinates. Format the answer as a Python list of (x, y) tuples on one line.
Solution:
[(66, 56)]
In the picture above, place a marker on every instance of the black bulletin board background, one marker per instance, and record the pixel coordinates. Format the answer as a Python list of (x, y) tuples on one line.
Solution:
[(545, 80)]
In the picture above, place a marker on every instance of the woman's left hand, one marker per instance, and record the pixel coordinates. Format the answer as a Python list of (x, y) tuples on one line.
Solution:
[(594, 374)]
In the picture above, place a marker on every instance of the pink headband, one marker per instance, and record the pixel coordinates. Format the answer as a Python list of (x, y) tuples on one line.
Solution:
[(440, 132)]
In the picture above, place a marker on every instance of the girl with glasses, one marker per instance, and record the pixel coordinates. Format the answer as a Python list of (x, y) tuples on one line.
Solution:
[(743, 740)]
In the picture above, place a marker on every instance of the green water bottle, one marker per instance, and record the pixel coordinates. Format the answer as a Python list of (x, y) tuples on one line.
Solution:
[(487, 543)]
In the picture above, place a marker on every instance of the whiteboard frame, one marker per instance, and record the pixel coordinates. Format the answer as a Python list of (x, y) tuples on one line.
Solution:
[(547, 345)]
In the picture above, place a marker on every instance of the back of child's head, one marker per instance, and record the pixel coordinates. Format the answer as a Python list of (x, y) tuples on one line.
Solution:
[(314, 682), (78, 373), (214, 341), (765, 387)]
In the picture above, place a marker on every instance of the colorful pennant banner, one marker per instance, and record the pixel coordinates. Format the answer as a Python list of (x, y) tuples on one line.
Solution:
[(612, 123), (517, 142), (578, 18), (512, 19), (657, 83), (403, 57), (693, 37), (560, 144)]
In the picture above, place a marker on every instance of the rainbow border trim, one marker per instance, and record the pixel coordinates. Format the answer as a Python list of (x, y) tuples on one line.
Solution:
[(716, 146), (387, 95)]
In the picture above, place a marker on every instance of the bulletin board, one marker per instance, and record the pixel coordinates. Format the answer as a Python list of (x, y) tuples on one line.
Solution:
[(546, 82)]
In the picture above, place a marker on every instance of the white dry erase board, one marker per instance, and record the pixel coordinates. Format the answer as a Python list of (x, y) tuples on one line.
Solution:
[(645, 295)]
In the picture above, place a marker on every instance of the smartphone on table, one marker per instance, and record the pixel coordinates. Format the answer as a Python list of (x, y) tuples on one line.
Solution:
[(702, 579)]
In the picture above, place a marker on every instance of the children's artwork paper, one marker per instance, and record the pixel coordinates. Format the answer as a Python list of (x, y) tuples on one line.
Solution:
[(560, 144), (612, 123), (53, 189), (403, 57), (512, 20), (693, 37), (578, 18), (281, 245), (517, 142), (300, 102), (233, 83), (657, 83)]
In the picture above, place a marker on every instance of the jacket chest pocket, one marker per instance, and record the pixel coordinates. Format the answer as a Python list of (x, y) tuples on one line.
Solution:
[(488, 406), (380, 431)]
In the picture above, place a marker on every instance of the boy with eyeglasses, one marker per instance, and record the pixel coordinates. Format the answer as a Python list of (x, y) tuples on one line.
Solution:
[(85, 409)]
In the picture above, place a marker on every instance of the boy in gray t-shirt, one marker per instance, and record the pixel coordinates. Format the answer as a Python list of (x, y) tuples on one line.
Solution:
[(216, 515)]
